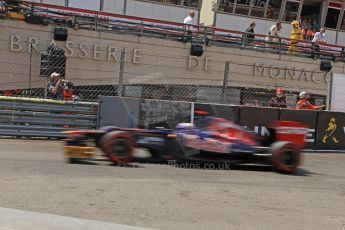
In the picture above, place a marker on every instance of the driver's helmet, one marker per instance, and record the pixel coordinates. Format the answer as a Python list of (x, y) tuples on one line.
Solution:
[(304, 95), (184, 126)]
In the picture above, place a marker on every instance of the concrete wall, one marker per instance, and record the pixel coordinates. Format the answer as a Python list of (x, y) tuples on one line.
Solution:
[(157, 61), (54, 2), (114, 6), (144, 9), (158, 11)]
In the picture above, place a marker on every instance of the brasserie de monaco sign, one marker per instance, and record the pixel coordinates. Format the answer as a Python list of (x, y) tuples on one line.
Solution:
[(136, 56)]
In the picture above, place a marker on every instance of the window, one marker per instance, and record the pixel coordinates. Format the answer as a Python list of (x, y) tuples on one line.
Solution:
[(258, 8), (191, 3), (291, 11), (310, 16), (242, 6), (273, 9), (175, 2), (226, 6), (333, 15), (82, 4)]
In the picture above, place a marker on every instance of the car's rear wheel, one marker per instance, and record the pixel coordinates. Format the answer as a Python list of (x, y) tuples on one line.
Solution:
[(118, 146), (286, 157)]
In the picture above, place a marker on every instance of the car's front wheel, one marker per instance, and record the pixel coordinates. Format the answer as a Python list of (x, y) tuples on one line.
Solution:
[(118, 146)]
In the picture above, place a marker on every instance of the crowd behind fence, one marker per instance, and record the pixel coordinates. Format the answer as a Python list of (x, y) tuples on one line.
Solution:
[(160, 75), (157, 76)]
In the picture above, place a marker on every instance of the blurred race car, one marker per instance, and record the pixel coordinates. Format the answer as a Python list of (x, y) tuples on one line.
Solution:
[(209, 139)]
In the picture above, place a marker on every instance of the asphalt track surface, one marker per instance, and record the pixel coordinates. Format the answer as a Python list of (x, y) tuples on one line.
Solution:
[(35, 177)]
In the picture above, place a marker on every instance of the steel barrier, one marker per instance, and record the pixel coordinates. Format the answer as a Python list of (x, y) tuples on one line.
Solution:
[(31, 117), (326, 129)]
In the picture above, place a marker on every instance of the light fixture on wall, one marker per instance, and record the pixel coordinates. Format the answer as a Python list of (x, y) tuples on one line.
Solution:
[(60, 34), (196, 49), (325, 66)]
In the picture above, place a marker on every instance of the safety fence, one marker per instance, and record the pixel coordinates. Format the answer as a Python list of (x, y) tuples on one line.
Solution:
[(151, 74), (326, 129), (159, 75), (30, 117)]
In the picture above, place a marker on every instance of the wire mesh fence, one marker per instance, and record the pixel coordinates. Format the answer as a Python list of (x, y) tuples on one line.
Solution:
[(269, 79), (95, 70)]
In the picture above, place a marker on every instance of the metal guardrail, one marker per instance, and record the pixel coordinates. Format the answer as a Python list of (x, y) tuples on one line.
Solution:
[(31, 117)]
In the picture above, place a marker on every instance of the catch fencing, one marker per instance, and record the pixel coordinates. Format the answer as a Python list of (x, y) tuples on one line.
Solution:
[(154, 75), (99, 70)]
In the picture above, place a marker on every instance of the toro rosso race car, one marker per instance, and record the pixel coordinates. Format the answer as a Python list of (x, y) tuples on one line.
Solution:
[(210, 139)]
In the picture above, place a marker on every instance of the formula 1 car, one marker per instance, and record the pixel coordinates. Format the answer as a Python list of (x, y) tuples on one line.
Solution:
[(210, 139)]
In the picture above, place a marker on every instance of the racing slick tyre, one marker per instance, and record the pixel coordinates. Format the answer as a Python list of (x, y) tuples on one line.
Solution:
[(106, 129), (118, 146), (286, 156), (155, 154), (74, 160)]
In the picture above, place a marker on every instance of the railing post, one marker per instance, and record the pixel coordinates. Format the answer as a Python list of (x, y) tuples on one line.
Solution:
[(124, 10), (141, 28), (243, 40), (280, 47), (96, 22), (122, 67), (46, 88), (329, 92), (30, 70), (225, 81)]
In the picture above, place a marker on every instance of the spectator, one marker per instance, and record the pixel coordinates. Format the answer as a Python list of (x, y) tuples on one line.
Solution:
[(55, 87), (189, 20), (269, 13), (279, 100), (59, 88), (295, 38), (308, 24), (305, 33), (319, 39), (227, 7), (316, 25), (310, 34), (248, 36), (303, 103), (273, 34), (304, 23)]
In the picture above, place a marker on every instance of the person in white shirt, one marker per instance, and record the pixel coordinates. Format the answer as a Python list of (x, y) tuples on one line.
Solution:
[(319, 39), (273, 34), (189, 20)]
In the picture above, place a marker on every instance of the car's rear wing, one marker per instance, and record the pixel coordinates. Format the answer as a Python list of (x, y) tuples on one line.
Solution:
[(291, 131)]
